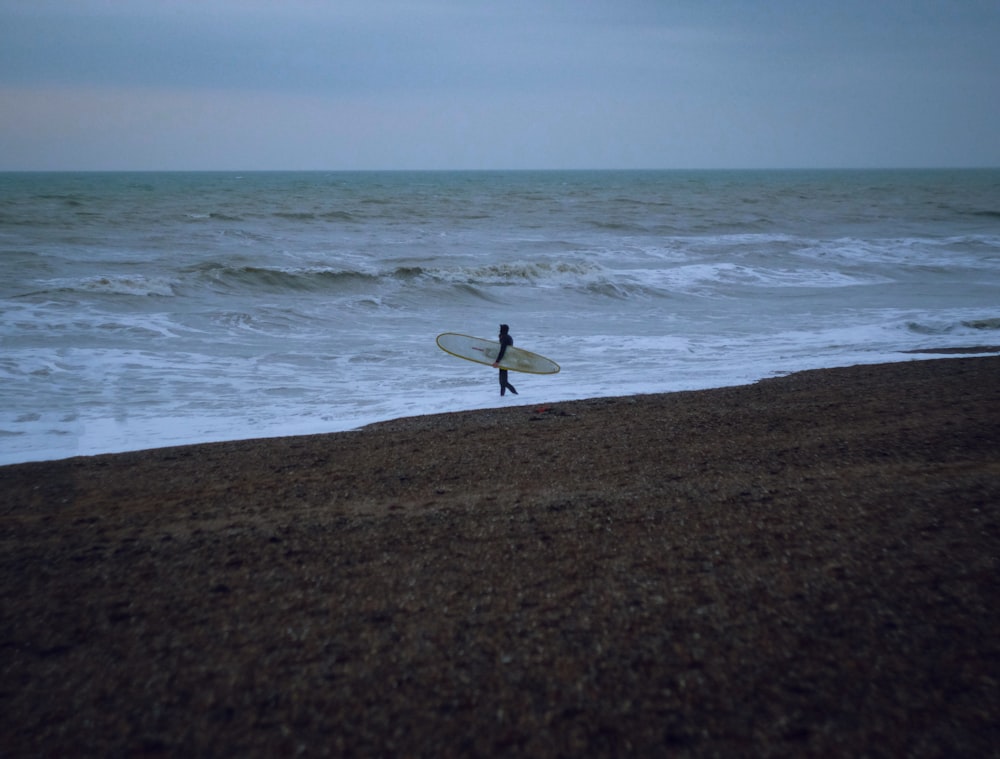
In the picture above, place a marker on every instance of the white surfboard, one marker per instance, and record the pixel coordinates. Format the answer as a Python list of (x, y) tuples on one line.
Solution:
[(485, 352)]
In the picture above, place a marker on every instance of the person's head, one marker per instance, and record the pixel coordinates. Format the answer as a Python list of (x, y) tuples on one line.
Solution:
[(504, 329)]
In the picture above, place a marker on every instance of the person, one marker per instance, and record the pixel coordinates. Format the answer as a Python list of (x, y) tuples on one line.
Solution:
[(505, 341)]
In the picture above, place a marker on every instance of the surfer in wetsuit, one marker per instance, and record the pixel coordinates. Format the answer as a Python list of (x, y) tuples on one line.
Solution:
[(505, 341)]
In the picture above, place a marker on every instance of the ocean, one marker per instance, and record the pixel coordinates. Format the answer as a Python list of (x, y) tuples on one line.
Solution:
[(140, 310)]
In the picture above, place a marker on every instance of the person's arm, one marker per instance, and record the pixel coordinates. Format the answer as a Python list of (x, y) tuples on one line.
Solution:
[(504, 342)]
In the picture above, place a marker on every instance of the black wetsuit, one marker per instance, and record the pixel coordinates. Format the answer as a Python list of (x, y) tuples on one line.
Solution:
[(505, 340)]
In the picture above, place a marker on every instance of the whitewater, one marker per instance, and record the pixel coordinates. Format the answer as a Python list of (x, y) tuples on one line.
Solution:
[(141, 310)]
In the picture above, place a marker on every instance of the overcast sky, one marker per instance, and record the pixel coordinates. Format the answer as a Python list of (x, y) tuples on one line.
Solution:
[(498, 84)]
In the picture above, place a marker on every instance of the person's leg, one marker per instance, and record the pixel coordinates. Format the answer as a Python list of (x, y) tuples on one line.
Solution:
[(503, 381), (507, 384)]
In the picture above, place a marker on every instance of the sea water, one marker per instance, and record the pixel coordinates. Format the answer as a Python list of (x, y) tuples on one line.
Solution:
[(145, 310)]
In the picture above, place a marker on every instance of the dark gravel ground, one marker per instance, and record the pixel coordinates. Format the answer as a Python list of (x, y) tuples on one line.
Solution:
[(805, 566)]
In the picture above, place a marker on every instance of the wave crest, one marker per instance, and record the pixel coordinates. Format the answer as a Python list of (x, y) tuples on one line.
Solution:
[(282, 279)]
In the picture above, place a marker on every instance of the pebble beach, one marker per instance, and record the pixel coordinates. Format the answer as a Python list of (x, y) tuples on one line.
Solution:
[(805, 566)]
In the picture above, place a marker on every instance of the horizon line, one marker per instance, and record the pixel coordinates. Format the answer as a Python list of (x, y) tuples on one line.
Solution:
[(492, 170)]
